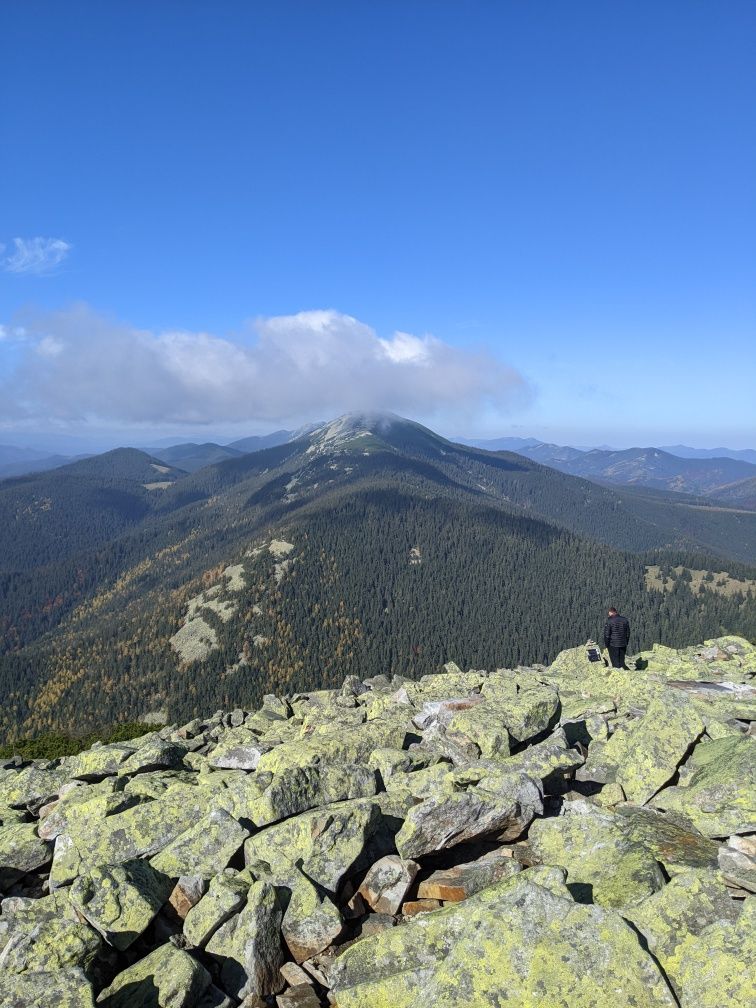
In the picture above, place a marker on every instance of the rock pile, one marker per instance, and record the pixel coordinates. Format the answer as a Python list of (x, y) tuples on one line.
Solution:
[(563, 836)]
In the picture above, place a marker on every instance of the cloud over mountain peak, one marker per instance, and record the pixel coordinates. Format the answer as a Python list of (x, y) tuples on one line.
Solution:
[(77, 364)]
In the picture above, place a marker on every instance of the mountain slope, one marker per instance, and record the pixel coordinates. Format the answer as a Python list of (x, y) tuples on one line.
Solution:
[(257, 442), (190, 456), (650, 467), (655, 468), (48, 516), (684, 451), (365, 546), (32, 465), (740, 494)]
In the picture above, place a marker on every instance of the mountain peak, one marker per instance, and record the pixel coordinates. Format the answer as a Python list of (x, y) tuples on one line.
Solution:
[(338, 433), (370, 422)]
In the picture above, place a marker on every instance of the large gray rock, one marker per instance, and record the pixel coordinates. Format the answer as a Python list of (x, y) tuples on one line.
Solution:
[(120, 901), (167, 978), (717, 967), (21, 851), (204, 849), (647, 754), (33, 785), (312, 920), (249, 945), (325, 843), (56, 988), (140, 831), (676, 916), (499, 803), (226, 895), (299, 789), (155, 754), (519, 939), (719, 796), (49, 945), (603, 866)]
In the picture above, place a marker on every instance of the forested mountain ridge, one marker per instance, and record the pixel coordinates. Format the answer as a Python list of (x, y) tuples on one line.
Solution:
[(700, 474), (366, 546), (739, 494), (47, 517)]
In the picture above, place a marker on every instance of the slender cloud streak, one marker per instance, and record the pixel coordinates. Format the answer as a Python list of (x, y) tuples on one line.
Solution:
[(34, 255)]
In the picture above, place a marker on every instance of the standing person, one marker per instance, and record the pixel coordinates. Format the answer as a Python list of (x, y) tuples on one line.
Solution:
[(616, 636)]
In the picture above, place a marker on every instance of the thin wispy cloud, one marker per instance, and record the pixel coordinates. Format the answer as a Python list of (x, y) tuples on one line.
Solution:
[(34, 255), (78, 365)]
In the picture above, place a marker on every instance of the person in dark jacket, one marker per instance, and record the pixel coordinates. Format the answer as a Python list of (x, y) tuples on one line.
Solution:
[(616, 636)]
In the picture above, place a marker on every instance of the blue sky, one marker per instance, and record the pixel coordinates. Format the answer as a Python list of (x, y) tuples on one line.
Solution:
[(498, 217)]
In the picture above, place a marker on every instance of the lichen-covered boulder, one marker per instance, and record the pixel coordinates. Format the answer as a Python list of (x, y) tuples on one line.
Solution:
[(49, 945), (603, 865), (203, 849), (155, 783), (58, 988), (97, 762), (166, 978), (21, 851), (526, 712), (677, 845), (516, 943), (311, 921), (139, 831), (325, 843), (336, 744), (717, 967), (225, 896), (155, 754), (414, 787), (32, 785), (299, 789), (119, 901), (499, 802), (452, 682), (483, 724), (719, 796), (86, 802), (238, 749), (249, 945), (546, 760), (680, 911), (647, 754), (388, 762)]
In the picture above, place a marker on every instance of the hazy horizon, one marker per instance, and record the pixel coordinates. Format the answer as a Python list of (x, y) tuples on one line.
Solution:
[(96, 441)]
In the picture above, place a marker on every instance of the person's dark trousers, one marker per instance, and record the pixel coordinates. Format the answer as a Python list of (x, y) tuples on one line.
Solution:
[(617, 656)]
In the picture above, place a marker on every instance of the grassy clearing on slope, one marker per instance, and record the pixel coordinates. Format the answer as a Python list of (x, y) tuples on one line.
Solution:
[(720, 582)]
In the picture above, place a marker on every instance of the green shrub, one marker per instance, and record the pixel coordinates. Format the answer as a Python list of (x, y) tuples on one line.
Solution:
[(53, 745)]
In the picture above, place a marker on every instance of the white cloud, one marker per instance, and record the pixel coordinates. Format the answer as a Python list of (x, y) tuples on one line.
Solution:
[(403, 348), (35, 255), (77, 365)]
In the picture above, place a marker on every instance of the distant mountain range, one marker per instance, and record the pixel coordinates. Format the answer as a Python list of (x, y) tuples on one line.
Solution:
[(726, 478), (675, 468), (745, 455), (370, 544)]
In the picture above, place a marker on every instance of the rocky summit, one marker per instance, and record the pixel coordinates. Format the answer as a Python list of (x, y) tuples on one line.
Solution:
[(570, 835)]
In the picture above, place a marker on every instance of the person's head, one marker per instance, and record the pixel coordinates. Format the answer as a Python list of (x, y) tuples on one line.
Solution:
[(612, 611)]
